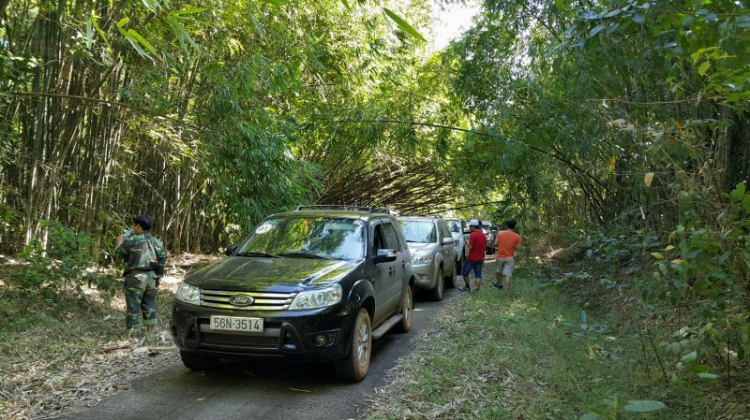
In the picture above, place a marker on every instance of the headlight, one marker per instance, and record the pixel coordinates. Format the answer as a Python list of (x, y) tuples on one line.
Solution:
[(422, 259), (317, 298), (188, 294)]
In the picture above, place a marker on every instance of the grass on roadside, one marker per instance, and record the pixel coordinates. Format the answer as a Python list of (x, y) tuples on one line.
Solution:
[(523, 355), (63, 352)]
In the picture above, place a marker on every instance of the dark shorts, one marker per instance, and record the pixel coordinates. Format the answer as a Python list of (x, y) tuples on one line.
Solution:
[(472, 265)]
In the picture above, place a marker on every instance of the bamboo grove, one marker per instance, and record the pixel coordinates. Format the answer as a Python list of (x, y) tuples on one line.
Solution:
[(204, 117), (624, 124)]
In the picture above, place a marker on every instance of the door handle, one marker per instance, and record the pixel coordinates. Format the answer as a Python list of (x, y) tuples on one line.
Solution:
[(391, 271), (403, 264)]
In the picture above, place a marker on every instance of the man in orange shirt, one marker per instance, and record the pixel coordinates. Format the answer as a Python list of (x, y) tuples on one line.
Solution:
[(506, 242)]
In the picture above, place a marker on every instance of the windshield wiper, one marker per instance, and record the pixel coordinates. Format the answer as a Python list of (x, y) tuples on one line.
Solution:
[(304, 255), (256, 254)]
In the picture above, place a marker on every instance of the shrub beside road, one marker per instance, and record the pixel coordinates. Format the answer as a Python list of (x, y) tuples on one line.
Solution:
[(530, 355)]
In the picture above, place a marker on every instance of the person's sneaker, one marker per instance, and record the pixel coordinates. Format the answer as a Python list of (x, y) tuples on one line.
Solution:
[(497, 286), (464, 289)]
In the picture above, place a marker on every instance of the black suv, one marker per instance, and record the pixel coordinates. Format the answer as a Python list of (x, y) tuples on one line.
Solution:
[(319, 283)]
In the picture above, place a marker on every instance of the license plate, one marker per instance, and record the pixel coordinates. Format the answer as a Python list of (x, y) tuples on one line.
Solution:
[(232, 323)]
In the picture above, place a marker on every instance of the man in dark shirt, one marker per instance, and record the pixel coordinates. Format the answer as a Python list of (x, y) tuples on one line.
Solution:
[(475, 259)]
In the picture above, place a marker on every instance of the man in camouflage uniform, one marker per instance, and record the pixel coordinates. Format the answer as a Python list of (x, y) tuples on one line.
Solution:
[(144, 259)]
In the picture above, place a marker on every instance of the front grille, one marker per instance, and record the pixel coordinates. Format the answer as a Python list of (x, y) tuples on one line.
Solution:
[(241, 340), (264, 301)]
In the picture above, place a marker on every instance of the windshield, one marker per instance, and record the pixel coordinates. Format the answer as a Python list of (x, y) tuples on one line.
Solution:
[(419, 231), (454, 226), (307, 237)]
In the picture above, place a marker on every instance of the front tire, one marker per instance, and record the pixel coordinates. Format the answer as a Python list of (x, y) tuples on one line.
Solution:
[(355, 365), (436, 293), (407, 310), (199, 362)]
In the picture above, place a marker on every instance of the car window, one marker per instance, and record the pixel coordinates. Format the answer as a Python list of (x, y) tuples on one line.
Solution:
[(444, 230), (378, 240), (454, 226), (337, 238), (391, 237), (419, 231)]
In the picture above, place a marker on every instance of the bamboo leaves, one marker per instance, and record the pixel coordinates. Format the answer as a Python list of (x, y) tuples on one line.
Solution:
[(403, 24), (190, 10), (135, 39), (93, 20), (181, 34)]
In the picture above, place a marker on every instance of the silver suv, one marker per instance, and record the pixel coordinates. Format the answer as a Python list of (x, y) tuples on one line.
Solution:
[(433, 257), (457, 227)]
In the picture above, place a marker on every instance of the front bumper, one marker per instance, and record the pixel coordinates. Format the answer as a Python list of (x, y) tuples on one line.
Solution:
[(286, 334), (426, 275)]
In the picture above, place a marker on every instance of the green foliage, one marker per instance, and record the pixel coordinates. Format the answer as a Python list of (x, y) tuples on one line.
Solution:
[(616, 247), (62, 263), (708, 270), (612, 409), (584, 98)]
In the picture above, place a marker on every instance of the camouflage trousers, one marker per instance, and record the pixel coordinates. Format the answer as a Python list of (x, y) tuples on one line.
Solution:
[(140, 298)]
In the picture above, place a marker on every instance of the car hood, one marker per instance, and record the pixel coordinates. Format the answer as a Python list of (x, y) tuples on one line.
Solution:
[(271, 274), (420, 248)]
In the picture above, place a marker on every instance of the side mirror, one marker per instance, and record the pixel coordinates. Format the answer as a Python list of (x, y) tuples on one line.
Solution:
[(230, 250), (385, 255), (467, 231), (448, 241)]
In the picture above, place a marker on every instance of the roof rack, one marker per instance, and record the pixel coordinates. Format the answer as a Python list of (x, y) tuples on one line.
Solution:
[(344, 207), (426, 216)]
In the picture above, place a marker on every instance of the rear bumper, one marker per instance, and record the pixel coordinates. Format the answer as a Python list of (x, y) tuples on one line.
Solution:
[(287, 335)]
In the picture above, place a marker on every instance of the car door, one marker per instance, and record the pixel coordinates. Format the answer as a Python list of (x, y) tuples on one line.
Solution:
[(384, 273), (397, 280), (448, 252)]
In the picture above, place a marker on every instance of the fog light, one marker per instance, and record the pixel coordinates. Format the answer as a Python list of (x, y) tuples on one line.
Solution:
[(321, 339)]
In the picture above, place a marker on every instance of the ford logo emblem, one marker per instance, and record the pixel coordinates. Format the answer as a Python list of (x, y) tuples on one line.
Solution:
[(241, 300)]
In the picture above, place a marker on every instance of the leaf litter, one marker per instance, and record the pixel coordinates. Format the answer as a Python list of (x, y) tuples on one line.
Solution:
[(48, 370)]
